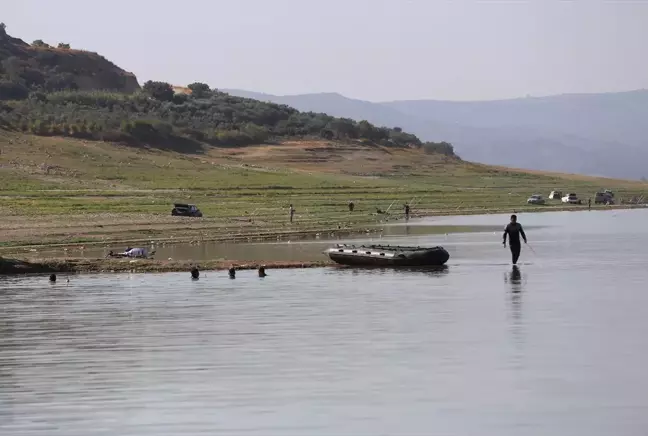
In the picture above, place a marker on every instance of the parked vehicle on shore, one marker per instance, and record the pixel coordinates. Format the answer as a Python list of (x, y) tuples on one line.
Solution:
[(555, 195), (603, 198), (182, 209), (572, 198), (536, 199)]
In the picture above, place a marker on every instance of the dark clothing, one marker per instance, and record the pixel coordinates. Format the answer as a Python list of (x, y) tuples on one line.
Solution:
[(515, 252), (513, 231)]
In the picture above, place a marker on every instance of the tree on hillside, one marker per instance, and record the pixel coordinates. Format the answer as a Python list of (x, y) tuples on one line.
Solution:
[(180, 98), (199, 90), (12, 90), (3, 28), (159, 90), (342, 127), (60, 82), (40, 43), (439, 148), (64, 45), (11, 67)]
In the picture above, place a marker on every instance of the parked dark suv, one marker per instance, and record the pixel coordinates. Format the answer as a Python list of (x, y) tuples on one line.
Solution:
[(180, 209), (603, 198)]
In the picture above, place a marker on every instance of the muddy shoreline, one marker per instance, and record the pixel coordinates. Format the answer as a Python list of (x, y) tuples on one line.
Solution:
[(260, 235), (17, 260), (77, 265)]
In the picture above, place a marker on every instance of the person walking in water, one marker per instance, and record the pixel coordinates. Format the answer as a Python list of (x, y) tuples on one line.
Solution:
[(407, 212), (513, 230), (292, 213), (589, 203)]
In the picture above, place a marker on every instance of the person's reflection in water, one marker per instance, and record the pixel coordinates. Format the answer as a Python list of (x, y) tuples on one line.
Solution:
[(407, 229), (514, 280)]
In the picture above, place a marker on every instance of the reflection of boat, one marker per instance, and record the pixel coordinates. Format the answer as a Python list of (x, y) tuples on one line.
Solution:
[(387, 255)]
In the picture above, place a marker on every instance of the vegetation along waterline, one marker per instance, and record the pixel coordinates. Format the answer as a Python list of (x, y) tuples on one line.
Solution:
[(89, 157)]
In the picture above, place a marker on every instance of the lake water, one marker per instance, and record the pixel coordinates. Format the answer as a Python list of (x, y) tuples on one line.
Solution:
[(558, 347)]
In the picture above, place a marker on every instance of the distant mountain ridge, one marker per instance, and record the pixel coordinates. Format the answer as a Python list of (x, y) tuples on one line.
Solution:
[(597, 134)]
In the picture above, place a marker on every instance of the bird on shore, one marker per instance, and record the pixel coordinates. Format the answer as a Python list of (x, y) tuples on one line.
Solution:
[(262, 272), (195, 274)]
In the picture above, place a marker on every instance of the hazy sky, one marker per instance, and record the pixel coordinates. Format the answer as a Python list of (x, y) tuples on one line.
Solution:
[(368, 49)]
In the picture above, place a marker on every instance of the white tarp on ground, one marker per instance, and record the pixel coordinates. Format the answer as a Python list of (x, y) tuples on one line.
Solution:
[(136, 252)]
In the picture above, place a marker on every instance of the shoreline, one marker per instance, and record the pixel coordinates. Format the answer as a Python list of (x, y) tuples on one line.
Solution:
[(18, 264), (260, 235), (99, 265)]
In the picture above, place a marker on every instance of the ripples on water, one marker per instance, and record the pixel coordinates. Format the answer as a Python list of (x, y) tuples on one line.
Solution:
[(556, 348)]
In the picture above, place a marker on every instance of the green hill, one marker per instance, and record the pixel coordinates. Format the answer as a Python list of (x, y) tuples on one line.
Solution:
[(62, 92)]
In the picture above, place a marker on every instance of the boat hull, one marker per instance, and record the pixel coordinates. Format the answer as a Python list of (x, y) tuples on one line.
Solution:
[(388, 256)]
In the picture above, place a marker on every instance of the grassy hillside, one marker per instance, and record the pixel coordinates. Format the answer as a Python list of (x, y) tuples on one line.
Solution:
[(69, 191)]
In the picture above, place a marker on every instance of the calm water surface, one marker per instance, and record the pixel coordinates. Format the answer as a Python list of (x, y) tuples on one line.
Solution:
[(559, 348)]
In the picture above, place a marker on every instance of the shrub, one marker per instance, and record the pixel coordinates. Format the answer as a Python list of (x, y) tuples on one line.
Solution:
[(159, 90), (180, 98), (439, 147), (199, 90), (40, 43), (12, 90)]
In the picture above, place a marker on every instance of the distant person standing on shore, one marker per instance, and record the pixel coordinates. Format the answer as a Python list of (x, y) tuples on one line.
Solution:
[(292, 213), (513, 230), (407, 212), (351, 206)]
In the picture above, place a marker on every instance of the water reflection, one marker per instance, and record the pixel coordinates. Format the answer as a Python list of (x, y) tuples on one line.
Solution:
[(434, 271), (515, 281)]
